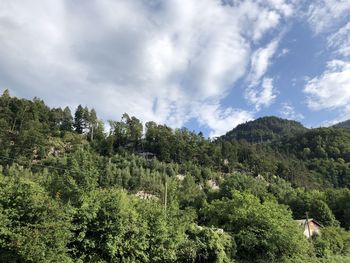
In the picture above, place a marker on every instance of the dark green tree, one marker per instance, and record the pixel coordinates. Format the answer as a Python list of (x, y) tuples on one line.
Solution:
[(79, 120)]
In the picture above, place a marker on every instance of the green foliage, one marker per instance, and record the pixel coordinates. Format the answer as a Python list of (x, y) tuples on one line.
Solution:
[(79, 177), (243, 183), (264, 232), (33, 227), (344, 124), (190, 194), (265, 129), (79, 120), (108, 228), (70, 192), (209, 245), (332, 241), (339, 201), (312, 202)]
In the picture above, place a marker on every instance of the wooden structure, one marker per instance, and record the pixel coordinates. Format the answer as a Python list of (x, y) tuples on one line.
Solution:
[(310, 226)]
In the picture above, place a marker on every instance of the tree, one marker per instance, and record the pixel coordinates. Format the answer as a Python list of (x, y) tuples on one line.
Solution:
[(67, 120), (264, 232), (208, 245), (33, 228), (135, 129), (190, 195), (92, 123), (110, 229), (79, 178), (329, 243), (79, 120)]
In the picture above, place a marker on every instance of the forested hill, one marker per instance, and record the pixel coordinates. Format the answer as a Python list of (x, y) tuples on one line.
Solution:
[(264, 129), (344, 125), (71, 192)]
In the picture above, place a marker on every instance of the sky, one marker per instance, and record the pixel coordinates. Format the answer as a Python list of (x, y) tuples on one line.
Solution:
[(207, 65)]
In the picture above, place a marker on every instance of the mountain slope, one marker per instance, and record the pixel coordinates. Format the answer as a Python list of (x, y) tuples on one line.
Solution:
[(264, 129), (344, 124)]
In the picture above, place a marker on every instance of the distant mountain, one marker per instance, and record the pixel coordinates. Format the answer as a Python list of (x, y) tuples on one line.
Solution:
[(344, 125), (265, 129)]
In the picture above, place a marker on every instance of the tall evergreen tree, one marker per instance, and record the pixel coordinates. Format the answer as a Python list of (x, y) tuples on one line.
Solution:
[(79, 121), (67, 120)]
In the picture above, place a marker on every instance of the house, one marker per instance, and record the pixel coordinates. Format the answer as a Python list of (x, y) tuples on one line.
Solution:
[(311, 227)]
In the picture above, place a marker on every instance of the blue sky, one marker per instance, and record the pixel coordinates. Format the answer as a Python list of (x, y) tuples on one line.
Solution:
[(207, 65)]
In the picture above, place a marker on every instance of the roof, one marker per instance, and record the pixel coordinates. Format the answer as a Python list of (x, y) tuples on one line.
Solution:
[(303, 222)]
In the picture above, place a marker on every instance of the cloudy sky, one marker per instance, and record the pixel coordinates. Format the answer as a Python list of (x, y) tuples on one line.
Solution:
[(204, 64)]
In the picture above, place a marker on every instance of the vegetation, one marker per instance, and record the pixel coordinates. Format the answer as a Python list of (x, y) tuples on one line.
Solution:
[(70, 192), (344, 124), (265, 129)]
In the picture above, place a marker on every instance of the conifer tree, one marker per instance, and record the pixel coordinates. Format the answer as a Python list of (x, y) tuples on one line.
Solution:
[(79, 121)]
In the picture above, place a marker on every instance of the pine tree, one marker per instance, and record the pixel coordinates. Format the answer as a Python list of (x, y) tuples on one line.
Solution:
[(67, 120), (79, 122)]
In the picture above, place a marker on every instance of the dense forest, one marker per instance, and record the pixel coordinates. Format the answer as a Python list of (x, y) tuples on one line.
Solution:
[(72, 192)]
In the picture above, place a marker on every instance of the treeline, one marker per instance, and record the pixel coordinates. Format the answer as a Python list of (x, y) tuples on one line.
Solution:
[(315, 158), (266, 129), (71, 192)]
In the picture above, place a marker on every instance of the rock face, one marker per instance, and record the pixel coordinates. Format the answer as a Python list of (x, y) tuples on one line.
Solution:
[(146, 196), (213, 185)]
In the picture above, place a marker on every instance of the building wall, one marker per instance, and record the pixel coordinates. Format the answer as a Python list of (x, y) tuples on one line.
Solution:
[(314, 229)]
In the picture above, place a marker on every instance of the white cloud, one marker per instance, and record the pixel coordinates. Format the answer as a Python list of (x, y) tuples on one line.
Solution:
[(152, 59), (263, 95), (221, 120), (260, 61), (260, 91), (288, 111), (283, 52), (331, 90), (344, 115), (324, 14), (283, 7), (340, 40)]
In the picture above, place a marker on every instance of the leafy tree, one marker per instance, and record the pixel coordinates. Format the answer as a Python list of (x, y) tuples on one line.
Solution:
[(33, 228), (80, 177), (208, 245), (329, 243), (190, 195), (109, 229), (264, 232)]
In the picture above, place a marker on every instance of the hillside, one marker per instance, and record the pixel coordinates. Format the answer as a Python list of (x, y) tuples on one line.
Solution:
[(69, 192), (264, 129), (344, 125)]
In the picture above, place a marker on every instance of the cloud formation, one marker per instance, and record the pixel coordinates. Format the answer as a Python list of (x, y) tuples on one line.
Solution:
[(331, 90), (288, 111), (323, 15), (263, 95), (260, 60), (260, 91), (158, 60), (340, 41)]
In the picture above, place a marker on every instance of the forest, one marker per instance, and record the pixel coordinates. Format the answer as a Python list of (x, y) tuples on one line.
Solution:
[(70, 191)]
